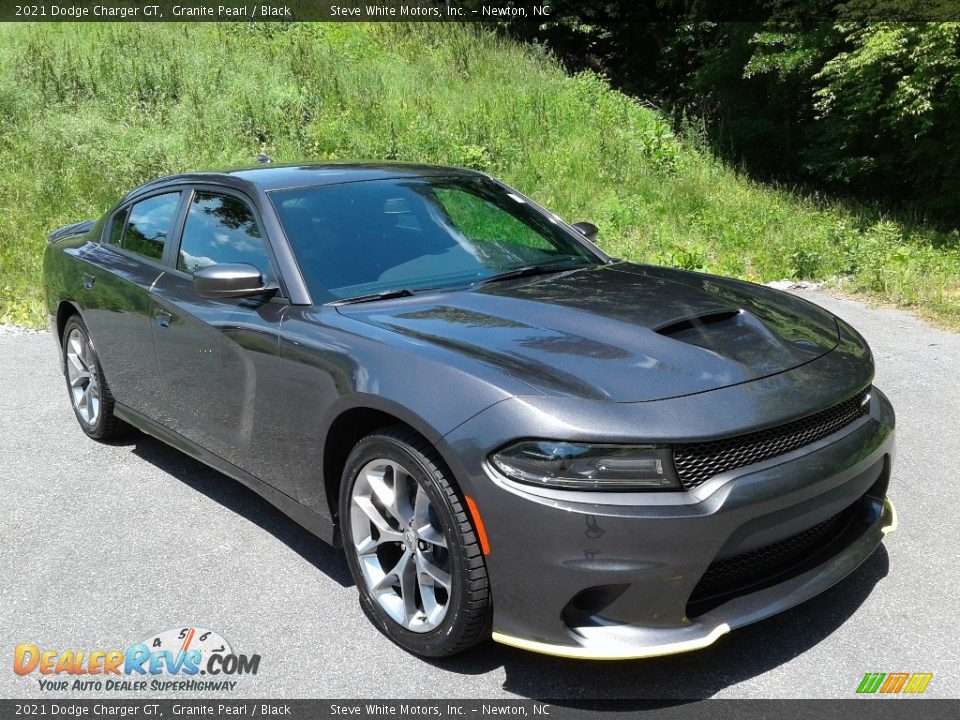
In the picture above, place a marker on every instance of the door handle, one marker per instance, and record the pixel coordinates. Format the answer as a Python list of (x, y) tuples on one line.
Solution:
[(163, 318), (88, 281)]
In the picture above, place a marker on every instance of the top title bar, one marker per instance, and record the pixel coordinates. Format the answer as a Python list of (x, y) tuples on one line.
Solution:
[(271, 10), (489, 11)]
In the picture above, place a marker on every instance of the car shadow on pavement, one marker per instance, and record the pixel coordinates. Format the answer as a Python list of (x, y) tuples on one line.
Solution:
[(738, 656), (234, 496)]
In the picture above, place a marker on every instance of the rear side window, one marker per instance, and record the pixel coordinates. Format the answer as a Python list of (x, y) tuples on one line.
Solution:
[(221, 229), (150, 224)]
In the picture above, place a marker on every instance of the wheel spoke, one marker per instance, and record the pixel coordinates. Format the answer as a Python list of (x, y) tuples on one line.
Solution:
[(433, 536), (368, 511), (423, 522), (431, 573), (421, 508), (77, 346), (401, 607), (76, 364), (366, 545), (401, 507), (93, 400), (408, 590), (394, 574), (428, 595), (430, 579), (389, 487)]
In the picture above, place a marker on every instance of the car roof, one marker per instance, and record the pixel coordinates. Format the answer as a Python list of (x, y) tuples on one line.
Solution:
[(269, 177)]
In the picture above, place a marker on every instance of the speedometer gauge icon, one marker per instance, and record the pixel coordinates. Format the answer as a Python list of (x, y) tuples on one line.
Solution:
[(183, 639)]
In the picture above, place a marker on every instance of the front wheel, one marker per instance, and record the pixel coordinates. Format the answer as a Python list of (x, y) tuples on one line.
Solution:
[(410, 546)]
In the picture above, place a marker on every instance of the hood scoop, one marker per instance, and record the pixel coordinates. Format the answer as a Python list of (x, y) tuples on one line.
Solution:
[(735, 334), (679, 327)]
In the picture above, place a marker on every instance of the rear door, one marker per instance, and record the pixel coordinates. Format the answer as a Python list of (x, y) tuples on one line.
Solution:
[(216, 357), (116, 296)]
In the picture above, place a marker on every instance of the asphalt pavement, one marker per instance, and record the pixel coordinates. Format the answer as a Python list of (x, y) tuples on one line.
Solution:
[(102, 546)]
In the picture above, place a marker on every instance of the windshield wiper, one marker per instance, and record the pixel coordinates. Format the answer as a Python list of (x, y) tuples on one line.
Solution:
[(372, 297), (528, 271)]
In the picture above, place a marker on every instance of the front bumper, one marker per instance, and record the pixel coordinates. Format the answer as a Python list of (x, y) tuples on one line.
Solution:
[(632, 643), (611, 576)]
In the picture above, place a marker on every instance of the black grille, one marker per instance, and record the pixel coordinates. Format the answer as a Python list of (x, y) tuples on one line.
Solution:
[(740, 572), (696, 463)]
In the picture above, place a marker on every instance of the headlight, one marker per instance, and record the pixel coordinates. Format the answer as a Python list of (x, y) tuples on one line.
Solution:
[(576, 466)]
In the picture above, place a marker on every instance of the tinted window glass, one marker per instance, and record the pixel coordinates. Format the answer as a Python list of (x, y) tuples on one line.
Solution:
[(471, 215), (151, 221), (221, 229), (364, 237)]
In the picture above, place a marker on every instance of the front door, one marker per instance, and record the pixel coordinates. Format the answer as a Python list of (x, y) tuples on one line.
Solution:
[(215, 355)]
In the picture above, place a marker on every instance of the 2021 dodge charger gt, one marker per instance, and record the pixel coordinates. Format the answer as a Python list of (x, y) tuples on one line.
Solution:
[(507, 431)]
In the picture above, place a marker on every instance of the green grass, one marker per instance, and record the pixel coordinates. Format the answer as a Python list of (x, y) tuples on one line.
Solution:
[(89, 111)]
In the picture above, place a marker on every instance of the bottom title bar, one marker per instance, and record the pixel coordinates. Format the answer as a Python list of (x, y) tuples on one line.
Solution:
[(854, 709)]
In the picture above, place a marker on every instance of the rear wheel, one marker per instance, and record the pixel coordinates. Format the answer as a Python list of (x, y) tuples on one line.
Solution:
[(87, 387), (411, 548)]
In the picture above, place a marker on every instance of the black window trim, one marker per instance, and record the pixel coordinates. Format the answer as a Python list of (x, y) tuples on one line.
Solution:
[(108, 230), (172, 251)]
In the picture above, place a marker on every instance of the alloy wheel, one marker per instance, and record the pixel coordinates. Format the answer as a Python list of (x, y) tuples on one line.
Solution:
[(400, 545), (82, 377)]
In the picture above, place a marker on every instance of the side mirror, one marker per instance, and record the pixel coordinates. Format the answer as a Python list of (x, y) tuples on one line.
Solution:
[(230, 280), (587, 229)]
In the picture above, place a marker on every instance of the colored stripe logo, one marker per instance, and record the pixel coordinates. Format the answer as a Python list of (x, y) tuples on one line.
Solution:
[(894, 683)]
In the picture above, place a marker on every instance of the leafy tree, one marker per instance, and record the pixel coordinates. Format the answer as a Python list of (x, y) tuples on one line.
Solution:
[(887, 113), (862, 108)]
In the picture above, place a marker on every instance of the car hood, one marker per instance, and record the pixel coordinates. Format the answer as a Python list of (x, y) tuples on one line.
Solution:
[(619, 332)]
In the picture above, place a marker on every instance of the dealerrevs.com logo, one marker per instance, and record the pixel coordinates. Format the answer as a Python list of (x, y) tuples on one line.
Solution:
[(184, 659)]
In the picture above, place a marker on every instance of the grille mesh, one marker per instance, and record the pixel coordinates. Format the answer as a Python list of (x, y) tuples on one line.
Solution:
[(734, 573), (698, 462)]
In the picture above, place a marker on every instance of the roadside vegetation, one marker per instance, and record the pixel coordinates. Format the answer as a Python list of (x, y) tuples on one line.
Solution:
[(89, 111)]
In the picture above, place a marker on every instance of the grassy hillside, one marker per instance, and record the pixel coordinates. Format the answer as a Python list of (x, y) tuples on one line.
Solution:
[(89, 111)]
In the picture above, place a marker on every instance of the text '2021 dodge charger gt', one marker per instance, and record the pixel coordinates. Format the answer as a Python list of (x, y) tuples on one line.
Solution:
[(508, 431)]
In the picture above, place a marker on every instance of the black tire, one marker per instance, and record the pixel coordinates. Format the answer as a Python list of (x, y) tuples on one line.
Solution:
[(106, 425), (468, 610)]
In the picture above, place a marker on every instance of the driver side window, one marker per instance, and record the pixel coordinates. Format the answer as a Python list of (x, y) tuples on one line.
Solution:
[(222, 229)]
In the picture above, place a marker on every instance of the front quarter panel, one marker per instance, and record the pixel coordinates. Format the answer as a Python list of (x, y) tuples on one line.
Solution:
[(332, 364)]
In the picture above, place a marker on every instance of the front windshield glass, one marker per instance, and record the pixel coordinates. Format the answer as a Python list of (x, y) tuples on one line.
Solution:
[(372, 236)]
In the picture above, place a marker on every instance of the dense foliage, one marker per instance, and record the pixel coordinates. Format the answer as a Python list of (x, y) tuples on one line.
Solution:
[(89, 111), (870, 109)]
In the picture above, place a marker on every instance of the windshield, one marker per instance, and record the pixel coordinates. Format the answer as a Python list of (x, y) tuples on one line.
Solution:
[(366, 237)]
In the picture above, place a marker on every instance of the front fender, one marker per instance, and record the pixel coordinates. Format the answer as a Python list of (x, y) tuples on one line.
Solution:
[(333, 365)]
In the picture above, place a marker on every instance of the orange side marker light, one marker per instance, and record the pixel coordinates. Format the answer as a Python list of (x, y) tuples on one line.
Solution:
[(478, 525)]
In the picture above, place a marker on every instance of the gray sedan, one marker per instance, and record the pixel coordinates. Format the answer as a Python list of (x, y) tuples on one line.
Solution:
[(510, 433)]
